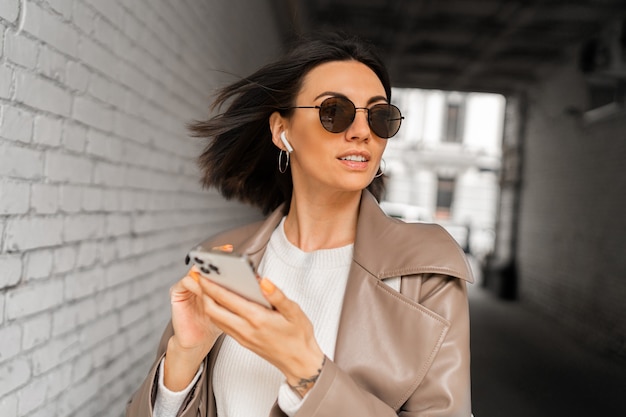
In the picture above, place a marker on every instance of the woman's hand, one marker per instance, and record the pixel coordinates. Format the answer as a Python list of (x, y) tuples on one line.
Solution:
[(194, 332), (283, 335)]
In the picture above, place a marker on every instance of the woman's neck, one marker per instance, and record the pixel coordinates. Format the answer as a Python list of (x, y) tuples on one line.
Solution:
[(322, 222)]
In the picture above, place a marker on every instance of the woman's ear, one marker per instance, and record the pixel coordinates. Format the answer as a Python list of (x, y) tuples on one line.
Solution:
[(277, 126)]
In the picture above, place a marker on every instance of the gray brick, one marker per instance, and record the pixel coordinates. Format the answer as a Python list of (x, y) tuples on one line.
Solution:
[(82, 227), (52, 64), (17, 125), (6, 80), (14, 197), (68, 168), (61, 379), (21, 50), (45, 198), (74, 137), (58, 351), (64, 259), (31, 233), (48, 130), (73, 315), (35, 298), (104, 146), (87, 253), (83, 283), (9, 11), (92, 199), (70, 198), (77, 76), (92, 113), (8, 404), (19, 371), (64, 7), (33, 395), (38, 264), (10, 341), (11, 267), (2, 298), (20, 162), (36, 331), (51, 30), (42, 94)]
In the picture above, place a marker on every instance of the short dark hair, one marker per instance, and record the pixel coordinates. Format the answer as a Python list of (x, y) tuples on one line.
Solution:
[(239, 158)]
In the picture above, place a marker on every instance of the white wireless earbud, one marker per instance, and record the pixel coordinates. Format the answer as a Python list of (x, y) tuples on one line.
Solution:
[(285, 142)]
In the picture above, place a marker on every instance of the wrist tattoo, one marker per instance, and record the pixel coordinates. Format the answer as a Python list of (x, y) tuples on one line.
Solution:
[(305, 384)]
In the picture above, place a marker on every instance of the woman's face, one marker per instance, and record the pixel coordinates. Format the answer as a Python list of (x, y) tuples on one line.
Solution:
[(322, 160)]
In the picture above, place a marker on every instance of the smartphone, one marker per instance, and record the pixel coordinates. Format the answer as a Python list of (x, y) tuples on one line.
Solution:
[(232, 271)]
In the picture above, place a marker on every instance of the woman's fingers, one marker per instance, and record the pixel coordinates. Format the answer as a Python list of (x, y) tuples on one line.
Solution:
[(279, 300)]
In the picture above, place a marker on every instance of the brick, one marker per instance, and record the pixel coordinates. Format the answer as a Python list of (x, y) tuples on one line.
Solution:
[(2, 298), (38, 264), (70, 198), (21, 50), (98, 331), (56, 352), (64, 259), (109, 174), (73, 315), (8, 404), (92, 113), (64, 7), (68, 168), (17, 125), (9, 11), (84, 283), (52, 64), (20, 162), (6, 80), (51, 30), (45, 198), (110, 200), (83, 366), (84, 17), (77, 76), (92, 199), (117, 225), (13, 374), (97, 58), (33, 232), (11, 267), (14, 197), (10, 342), (34, 298), (87, 254), (60, 379), (36, 331), (77, 397), (33, 395), (104, 146), (48, 130), (42, 94), (74, 137), (82, 227)]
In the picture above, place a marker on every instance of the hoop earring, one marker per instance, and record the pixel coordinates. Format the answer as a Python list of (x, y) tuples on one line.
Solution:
[(382, 170), (282, 169)]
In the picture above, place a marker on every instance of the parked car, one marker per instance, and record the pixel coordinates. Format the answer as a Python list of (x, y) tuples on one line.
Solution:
[(406, 212)]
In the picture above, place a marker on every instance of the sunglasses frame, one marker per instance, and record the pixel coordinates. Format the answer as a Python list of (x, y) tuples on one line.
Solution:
[(368, 109)]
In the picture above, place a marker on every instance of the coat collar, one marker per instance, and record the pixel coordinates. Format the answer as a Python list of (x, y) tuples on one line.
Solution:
[(385, 341)]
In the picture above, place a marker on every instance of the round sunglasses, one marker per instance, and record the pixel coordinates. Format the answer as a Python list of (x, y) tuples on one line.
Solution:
[(338, 113)]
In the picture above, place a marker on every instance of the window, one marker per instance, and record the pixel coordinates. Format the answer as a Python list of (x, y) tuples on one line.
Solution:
[(445, 196), (453, 119)]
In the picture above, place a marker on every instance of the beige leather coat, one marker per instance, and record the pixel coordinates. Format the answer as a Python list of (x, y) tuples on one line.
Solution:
[(398, 353)]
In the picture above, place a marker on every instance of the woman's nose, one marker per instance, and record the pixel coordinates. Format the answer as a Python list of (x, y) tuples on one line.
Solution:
[(360, 128)]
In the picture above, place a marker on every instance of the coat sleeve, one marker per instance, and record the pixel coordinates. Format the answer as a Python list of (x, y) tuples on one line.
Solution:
[(141, 403), (445, 389)]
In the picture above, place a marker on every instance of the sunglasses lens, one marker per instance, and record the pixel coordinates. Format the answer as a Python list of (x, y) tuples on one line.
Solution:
[(336, 114), (385, 120)]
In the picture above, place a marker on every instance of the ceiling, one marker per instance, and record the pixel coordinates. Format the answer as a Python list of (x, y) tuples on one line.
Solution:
[(467, 45)]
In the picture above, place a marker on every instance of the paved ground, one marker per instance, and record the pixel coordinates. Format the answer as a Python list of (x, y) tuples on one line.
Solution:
[(523, 365)]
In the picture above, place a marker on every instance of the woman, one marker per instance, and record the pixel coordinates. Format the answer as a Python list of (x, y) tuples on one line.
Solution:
[(369, 314)]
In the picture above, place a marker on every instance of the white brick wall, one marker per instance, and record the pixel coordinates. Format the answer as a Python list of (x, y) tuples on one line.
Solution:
[(99, 192), (572, 223)]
